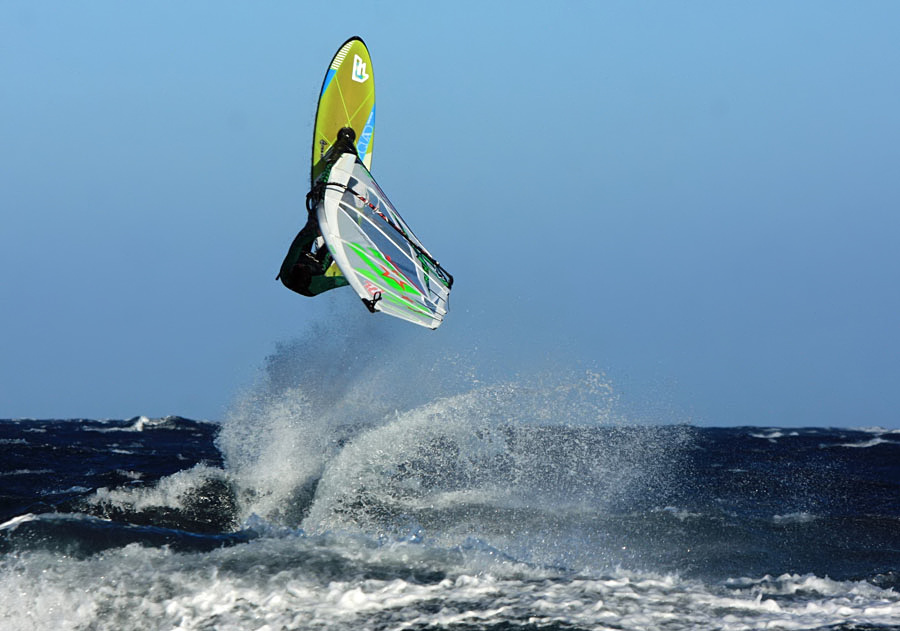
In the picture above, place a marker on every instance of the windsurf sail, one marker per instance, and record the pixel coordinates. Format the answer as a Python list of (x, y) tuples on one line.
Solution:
[(384, 262)]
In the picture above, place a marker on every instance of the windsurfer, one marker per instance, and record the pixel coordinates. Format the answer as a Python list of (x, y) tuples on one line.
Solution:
[(308, 268)]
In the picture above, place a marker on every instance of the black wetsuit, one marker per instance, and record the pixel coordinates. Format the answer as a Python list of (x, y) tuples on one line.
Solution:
[(304, 271)]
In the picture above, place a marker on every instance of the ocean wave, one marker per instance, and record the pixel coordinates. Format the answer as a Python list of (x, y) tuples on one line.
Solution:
[(16, 472), (138, 424), (339, 503), (794, 518), (773, 434), (199, 499), (340, 582), (678, 513), (878, 430), (874, 442), (82, 536), (11, 524)]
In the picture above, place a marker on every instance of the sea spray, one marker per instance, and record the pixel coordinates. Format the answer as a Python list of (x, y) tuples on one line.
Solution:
[(315, 394), (533, 471), (347, 430)]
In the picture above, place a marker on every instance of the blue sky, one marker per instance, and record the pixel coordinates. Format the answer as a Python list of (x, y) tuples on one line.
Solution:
[(699, 199)]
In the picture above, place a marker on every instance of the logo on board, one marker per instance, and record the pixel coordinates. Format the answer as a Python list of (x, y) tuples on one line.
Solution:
[(359, 70)]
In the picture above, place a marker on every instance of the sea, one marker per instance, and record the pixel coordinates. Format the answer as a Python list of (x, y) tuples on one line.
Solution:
[(518, 504)]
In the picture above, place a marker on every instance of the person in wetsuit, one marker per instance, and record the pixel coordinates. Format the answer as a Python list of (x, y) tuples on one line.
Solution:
[(308, 268)]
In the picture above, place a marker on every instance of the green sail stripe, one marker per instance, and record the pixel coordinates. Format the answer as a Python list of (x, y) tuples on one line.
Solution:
[(405, 287)]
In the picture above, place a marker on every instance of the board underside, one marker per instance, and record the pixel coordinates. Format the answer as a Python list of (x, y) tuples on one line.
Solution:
[(347, 99)]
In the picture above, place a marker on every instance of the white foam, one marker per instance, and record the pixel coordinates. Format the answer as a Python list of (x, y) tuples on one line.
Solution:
[(773, 435), (794, 518), (272, 447), (58, 491), (140, 424), (878, 430), (869, 443), (167, 492), (26, 472), (291, 583), (678, 513), (14, 523)]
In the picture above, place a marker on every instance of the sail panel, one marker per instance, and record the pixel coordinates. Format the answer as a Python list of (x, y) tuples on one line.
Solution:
[(376, 250)]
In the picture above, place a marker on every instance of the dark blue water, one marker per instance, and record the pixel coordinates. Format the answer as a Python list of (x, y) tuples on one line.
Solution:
[(453, 515)]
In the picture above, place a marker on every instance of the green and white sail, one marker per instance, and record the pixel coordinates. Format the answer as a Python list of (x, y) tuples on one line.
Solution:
[(384, 262)]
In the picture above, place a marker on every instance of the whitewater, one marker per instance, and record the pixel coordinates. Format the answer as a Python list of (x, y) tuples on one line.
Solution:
[(443, 501)]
